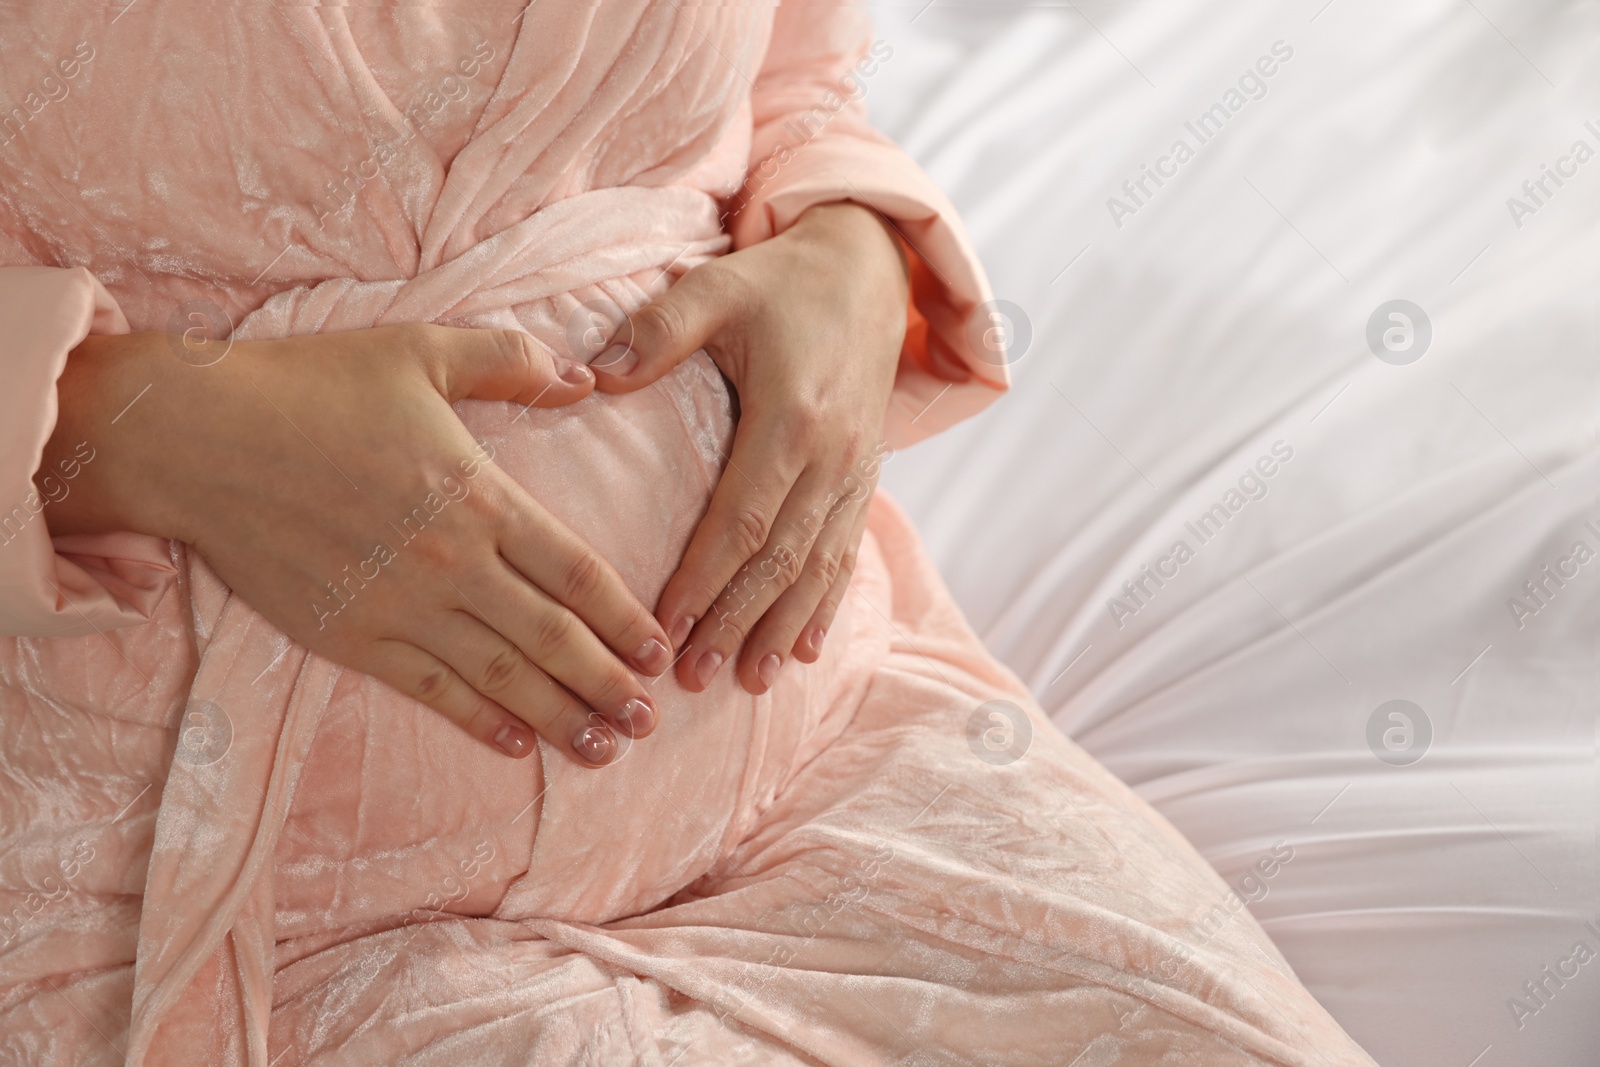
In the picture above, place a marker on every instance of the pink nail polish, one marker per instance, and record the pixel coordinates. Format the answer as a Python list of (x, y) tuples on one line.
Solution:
[(514, 741), (706, 669), (814, 638), (574, 373), (680, 631), (618, 360), (636, 718), (653, 656), (767, 669), (594, 744)]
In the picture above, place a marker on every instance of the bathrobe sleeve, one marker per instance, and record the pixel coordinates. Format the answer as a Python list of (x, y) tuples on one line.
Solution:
[(77, 584), (812, 145)]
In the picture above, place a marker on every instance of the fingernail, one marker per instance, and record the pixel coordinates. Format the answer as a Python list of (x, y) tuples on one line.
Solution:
[(767, 669), (814, 638), (514, 741), (618, 360), (594, 744), (636, 718), (574, 373), (680, 630), (653, 656), (706, 669)]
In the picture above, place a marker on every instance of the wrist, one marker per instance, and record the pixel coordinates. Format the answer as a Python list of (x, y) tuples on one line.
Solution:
[(865, 238), (106, 466)]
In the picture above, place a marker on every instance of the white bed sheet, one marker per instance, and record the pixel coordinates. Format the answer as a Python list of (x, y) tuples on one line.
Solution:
[(1226, 314)]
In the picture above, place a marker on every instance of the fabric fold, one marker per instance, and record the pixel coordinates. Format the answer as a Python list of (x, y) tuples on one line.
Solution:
[(80, 583), (812, 145), (858, 864)]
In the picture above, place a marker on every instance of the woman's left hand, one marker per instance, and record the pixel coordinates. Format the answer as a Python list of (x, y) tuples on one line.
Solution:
[(808, 327)]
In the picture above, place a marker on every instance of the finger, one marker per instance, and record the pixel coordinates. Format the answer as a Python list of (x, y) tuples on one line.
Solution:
[(562, 565), (667, 331), (422, 677), (558, 643), (759, 478), (498, 671), (808, 646), (773, 638), (758, 585), (501, 365)]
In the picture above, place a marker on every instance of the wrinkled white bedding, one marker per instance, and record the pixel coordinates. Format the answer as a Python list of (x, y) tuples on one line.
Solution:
[(1434, 905)]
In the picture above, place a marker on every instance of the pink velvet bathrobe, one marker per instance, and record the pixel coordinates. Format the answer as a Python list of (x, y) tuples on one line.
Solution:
[(216, 848)]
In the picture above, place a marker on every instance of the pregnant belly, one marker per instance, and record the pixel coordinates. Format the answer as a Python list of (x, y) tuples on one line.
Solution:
[(397, 817)]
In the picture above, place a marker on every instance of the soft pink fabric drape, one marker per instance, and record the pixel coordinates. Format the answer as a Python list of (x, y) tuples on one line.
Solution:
[(218, 848)]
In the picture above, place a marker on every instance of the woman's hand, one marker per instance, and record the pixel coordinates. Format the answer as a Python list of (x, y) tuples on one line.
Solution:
[(808, 326), (327, 480)]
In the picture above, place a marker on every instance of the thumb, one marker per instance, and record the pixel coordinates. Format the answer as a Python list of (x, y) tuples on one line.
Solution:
[(662, 334), (506, 365)]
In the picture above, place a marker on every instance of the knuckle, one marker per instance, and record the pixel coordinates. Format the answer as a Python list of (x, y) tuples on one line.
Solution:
[(499, 671), (659, 323), (431, 684), (552, 631), (789, 565), (750, 527), (732, 623), (852, 444), (808, 419), (493, 498), (827, 566), (515, 351), (584, 578), (435, 553)]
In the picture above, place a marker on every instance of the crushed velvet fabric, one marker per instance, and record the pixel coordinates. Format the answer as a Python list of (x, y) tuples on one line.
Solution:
[(217, 848)]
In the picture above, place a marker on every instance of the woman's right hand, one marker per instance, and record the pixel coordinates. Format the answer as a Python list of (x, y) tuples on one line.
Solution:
[(327, 480)]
